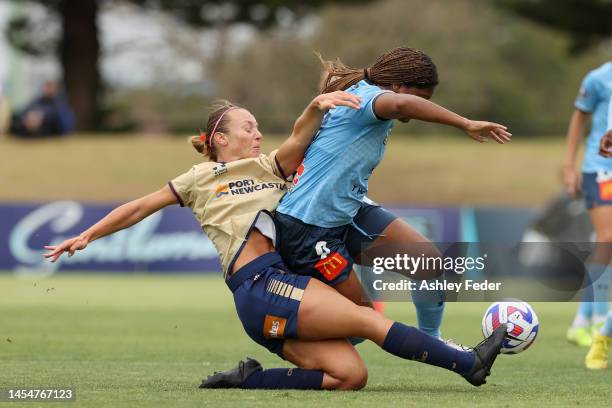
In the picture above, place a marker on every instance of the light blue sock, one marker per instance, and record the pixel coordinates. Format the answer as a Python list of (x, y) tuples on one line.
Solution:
[(606, 330), (585, 309), (600, 276), (429, 317), (429, 306)]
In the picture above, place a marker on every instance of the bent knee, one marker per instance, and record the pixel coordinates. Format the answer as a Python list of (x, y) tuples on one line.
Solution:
[(351, 378)]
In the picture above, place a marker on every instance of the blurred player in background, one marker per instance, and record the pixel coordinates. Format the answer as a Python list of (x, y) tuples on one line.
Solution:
[(593, 100), (297, 317), (48, 115), (325, 220), (597, 357)]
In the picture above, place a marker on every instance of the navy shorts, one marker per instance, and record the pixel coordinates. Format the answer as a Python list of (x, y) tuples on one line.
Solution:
[(267, 298), (372, 220), (327, 253), (597, 189)]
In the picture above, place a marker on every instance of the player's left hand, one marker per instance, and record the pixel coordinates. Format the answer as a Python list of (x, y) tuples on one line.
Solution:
[(605, 146), (330, 100), (482, 131), (70, 245)]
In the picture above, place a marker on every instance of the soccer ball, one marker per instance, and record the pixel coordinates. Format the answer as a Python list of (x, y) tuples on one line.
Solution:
[(522, 324)]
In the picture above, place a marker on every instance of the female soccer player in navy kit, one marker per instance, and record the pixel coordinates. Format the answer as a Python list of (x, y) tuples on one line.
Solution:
[(325, 219), (299, 318)]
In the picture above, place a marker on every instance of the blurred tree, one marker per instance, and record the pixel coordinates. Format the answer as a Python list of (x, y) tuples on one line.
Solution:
[(492, 65), (586, 21), (78, 47)]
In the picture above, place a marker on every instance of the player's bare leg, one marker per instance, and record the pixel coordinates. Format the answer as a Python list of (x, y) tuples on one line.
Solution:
[(400, 236), (343, 368), (352, 289), (325, 314)]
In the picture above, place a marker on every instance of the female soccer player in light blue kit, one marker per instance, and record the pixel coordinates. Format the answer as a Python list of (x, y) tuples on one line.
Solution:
[(597, 357), (324, 221), (593, 100)]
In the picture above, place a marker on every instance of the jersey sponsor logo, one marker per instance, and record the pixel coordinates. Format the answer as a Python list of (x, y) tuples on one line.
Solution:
[(322, 249), (331, 266), (246, 186), (274, 327), (297, 175), (221, 190), (220, 169)]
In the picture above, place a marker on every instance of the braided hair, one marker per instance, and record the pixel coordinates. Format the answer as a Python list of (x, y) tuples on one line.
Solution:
[(399, 66)]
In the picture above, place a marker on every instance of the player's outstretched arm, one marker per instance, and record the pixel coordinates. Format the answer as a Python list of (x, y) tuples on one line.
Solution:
[(392, 105), (291, 152), (121, 217)]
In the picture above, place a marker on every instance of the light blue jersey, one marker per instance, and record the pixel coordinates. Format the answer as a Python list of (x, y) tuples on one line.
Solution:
[(333, 179), (609, 127), (595, 98)]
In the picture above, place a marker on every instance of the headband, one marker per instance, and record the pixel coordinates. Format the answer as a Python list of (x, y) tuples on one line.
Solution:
[(204, 137)]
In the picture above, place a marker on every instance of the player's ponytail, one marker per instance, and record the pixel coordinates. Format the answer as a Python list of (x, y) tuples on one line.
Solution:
[(337, 77), (399, 66)]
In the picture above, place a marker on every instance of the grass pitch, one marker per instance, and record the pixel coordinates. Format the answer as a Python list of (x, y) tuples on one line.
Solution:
[(147, 340)]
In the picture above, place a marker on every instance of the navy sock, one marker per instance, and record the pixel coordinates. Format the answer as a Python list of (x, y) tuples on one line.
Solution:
[(285, 379), (410, 343)]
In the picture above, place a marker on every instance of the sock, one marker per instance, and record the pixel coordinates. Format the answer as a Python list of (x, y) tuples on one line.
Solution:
[(601, 289), (285, 379), (583, 315), (412, 344), (429, 317), (606, 330)]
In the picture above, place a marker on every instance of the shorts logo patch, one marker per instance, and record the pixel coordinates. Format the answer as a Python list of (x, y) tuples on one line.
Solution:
[(605, 190), (331, 266), (274, 327)]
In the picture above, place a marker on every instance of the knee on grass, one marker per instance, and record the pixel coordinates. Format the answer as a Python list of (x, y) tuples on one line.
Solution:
[(352, 376)]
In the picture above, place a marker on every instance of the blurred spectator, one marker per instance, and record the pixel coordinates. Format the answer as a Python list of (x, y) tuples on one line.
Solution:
[(5, 113), (46, 116)]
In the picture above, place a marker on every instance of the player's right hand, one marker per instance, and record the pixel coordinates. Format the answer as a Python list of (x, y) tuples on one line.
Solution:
[(605, 146), (482, 131), (571, 180), (70, 245)]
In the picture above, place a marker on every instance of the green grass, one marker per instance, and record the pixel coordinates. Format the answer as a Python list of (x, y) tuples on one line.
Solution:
[(143, 340), (424, 170)]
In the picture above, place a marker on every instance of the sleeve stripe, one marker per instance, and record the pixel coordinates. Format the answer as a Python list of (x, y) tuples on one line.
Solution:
[(374, 101), (280, 169), (178, 197)]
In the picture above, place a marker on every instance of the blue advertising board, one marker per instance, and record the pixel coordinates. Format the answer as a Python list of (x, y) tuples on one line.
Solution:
[(171, 240)]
